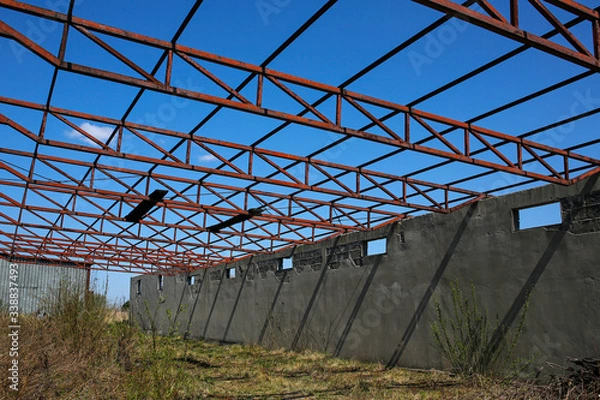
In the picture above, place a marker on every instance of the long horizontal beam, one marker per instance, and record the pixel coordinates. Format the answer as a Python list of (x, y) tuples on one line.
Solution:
[(414, 119), (94, 251), (78, 216), (82, 190), (244, 171), (188, 203), (115, 258)]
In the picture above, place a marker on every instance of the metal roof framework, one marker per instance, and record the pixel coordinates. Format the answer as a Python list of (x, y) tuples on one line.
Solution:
[(303, 198)]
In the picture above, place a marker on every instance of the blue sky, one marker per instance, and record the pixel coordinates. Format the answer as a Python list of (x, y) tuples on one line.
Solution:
[(347, 38)]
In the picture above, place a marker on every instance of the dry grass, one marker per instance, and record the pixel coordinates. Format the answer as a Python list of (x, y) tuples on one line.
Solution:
[(81, 353), (249, 372), (122, 365), (117, 316)]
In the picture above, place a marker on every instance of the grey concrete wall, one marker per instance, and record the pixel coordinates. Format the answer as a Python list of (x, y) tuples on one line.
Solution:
[(36, 282), (380, 308)]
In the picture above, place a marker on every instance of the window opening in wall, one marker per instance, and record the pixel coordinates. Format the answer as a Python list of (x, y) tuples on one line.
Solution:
[(230, 274), (160, 282), (191, 280), (537, 216), (286, 263), (377, 246), (139, 286)]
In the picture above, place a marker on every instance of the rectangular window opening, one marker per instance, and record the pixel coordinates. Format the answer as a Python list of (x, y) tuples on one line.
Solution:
[(191, 280), (286, 264), (377, 246), (537, 216), (230, 274), (161, 282), (139, 286)]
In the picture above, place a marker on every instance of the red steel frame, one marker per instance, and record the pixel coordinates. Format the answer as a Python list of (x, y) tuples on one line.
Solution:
[(508, 25), (327, 199)]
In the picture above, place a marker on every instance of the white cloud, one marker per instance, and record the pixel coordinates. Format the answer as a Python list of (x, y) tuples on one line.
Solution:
[(102, 133), (207, 158)]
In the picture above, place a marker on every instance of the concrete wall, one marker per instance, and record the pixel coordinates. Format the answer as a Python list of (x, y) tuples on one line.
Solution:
[(36, 281), (340, 300)]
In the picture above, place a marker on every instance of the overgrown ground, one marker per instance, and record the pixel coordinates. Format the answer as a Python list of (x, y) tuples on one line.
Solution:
[(81, 352), (124, 365)]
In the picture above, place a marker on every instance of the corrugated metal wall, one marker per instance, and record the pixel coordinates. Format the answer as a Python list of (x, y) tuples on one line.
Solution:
[(35, 282)]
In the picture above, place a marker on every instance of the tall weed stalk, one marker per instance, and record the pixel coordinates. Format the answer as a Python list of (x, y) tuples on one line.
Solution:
[(464, 338)]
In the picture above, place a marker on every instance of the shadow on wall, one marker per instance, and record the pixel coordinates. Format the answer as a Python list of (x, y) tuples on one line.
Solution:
[(214, 303), (193, 310), (359, 302), (269, 317), (336, 317), (521, 298), (237, 299), (540, 267), (401, 346), (314, 296), (332, 335)]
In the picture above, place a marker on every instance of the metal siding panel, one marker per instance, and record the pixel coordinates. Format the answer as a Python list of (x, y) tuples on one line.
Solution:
[(36, 282)]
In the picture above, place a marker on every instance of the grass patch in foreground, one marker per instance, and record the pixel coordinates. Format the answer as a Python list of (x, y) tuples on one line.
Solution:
[(111, 360), (81, 351), (125, 366), (241, 371)]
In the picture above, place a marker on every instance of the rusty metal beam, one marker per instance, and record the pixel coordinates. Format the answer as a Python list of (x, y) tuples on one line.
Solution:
[(457, 152), (175, 229), (509, 27), (244, 171)]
